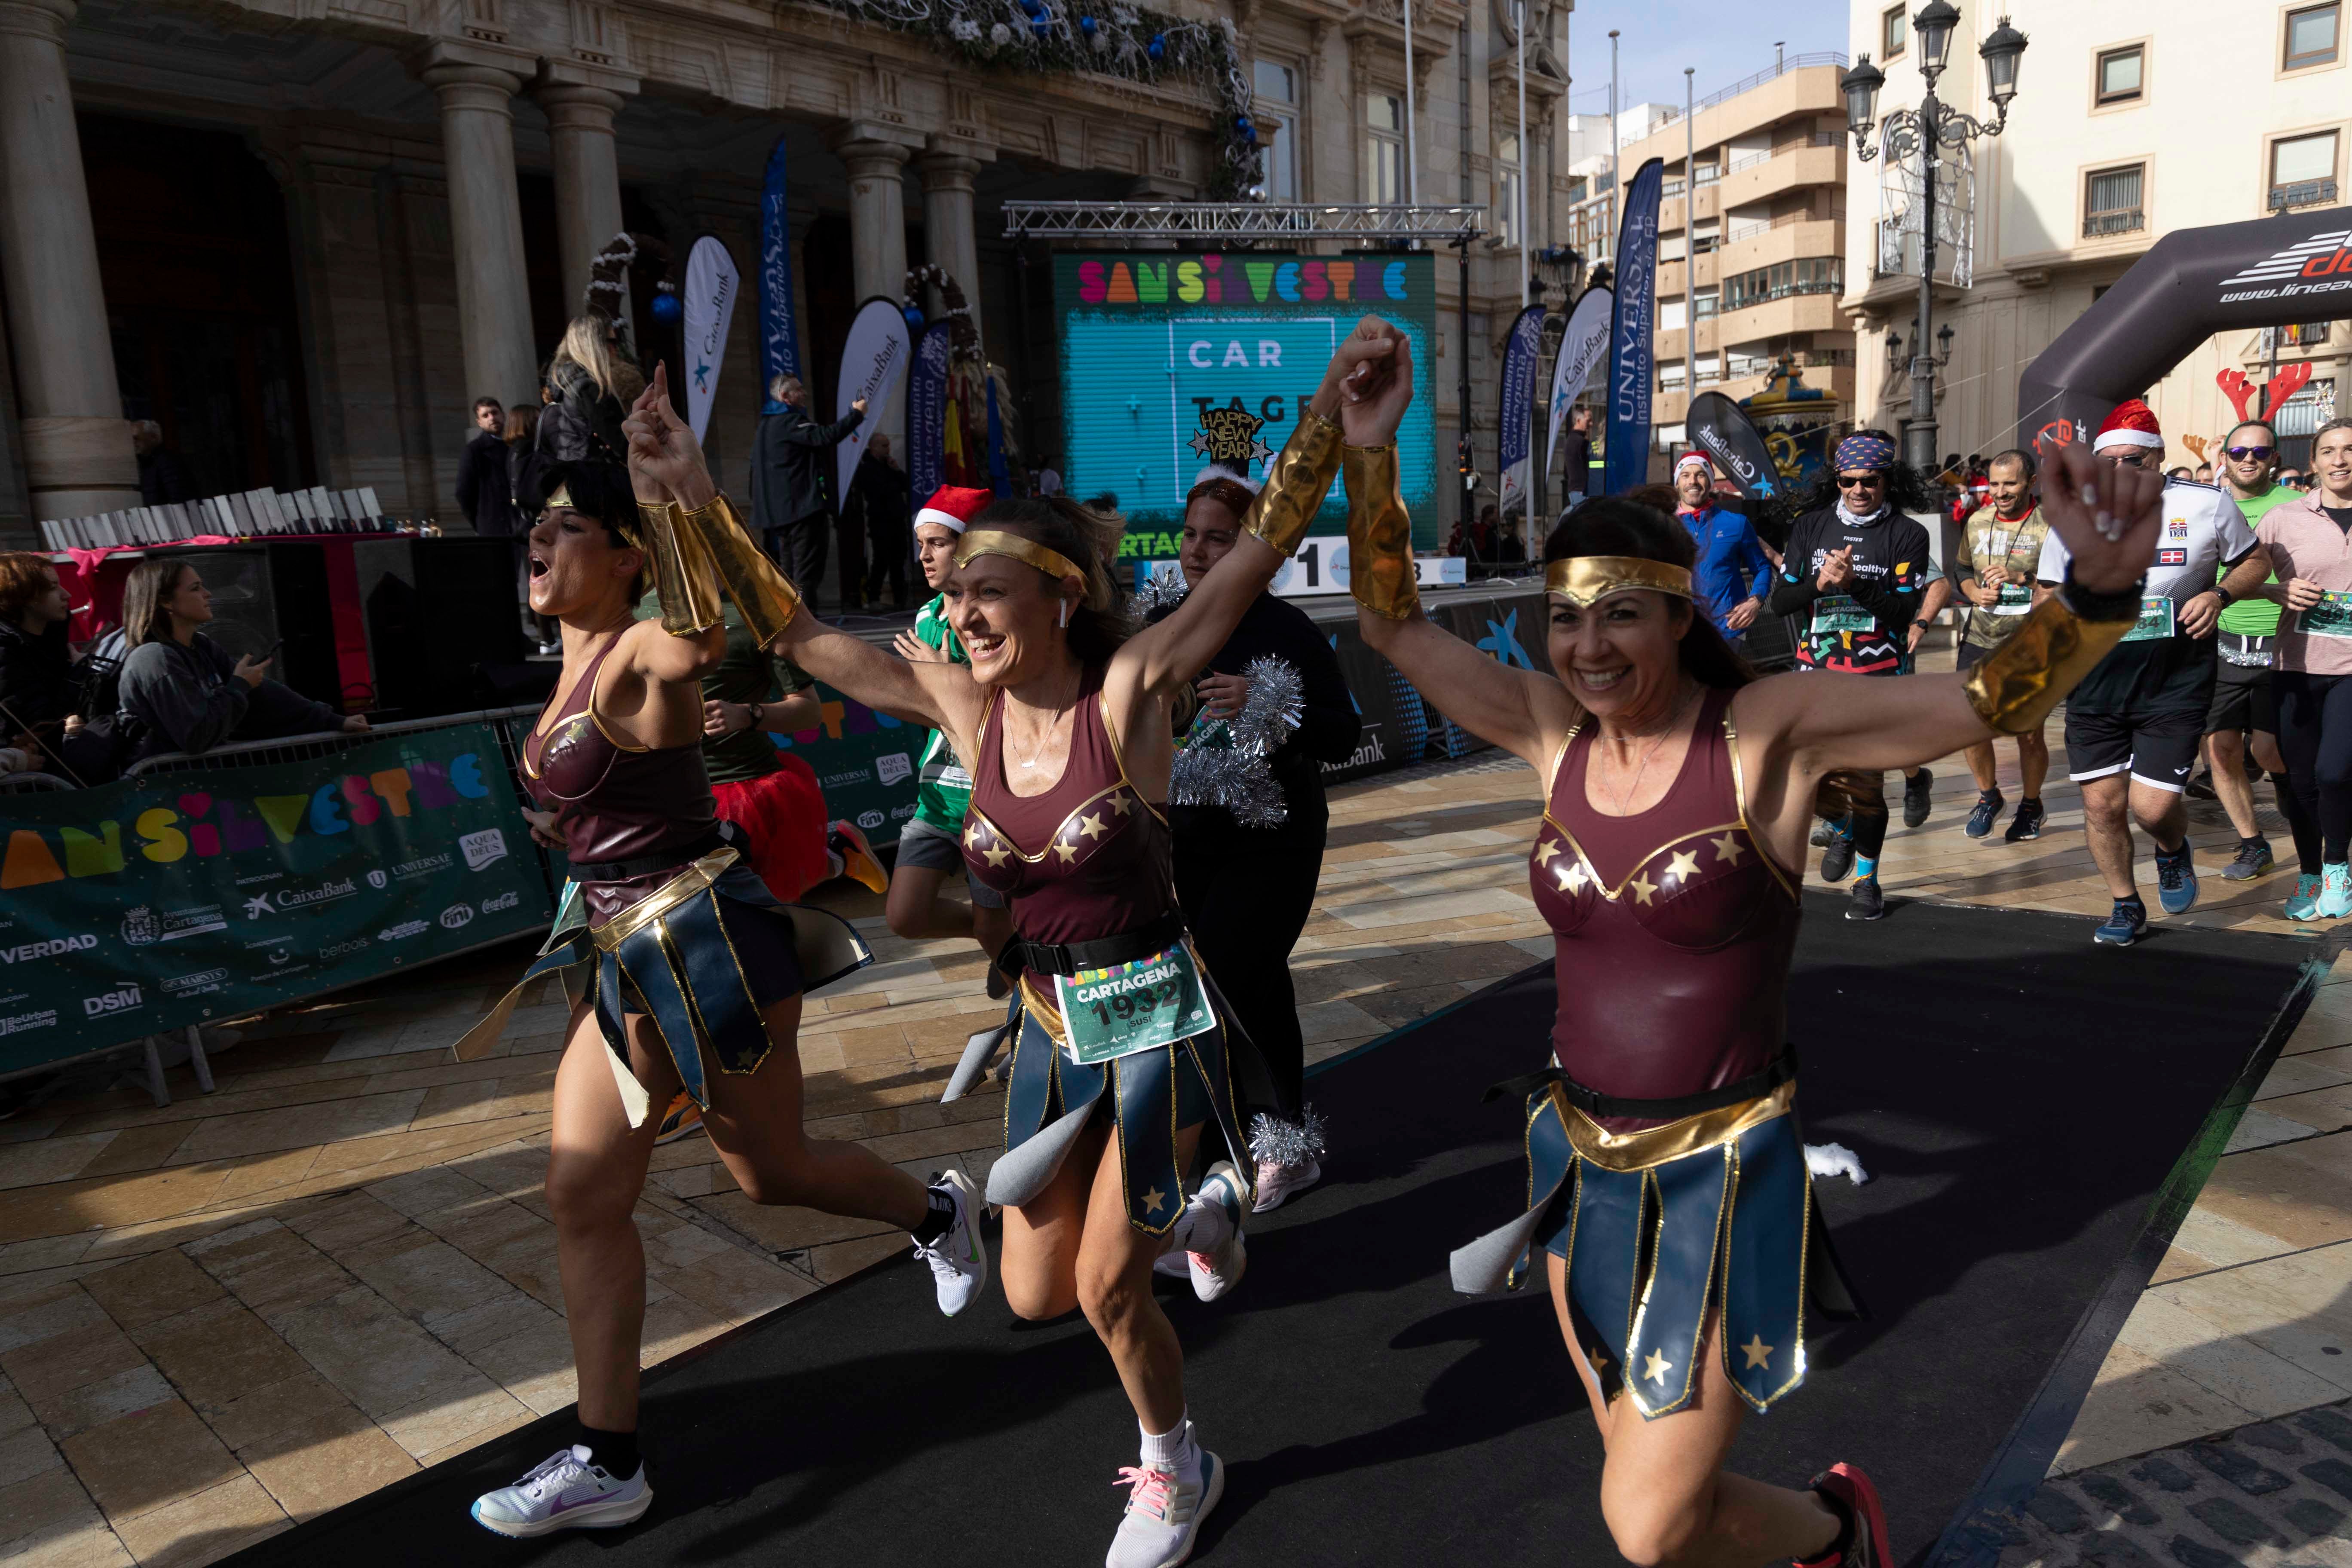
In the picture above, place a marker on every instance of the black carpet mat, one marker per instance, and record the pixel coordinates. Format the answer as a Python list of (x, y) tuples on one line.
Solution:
[(2015, 1094)]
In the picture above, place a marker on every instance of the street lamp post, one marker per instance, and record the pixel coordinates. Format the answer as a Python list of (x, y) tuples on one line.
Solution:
[(1932, 125)]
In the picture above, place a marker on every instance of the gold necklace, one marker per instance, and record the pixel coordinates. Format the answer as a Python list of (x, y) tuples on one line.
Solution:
[(1673, 723)]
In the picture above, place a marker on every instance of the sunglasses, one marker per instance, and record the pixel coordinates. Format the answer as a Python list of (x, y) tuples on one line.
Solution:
[(2248, 453), (1860, 482)]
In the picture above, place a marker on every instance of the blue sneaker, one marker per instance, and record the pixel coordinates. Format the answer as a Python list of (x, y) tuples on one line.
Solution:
[(2124, 923), (1987, 812), (2304, 902), (2176, 880)]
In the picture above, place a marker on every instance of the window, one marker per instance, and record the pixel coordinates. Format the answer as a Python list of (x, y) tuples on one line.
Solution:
[(2311, 36), (2303, 171), (1815, 275), (1274, 109), (1703, 304), (2119, 75), (1670, 316), (1507, 190), (2111, 202), (1893, 32), (1384, 149)]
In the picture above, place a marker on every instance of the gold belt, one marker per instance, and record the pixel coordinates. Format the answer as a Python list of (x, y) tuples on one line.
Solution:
[(689, 881), (1657, 1145)]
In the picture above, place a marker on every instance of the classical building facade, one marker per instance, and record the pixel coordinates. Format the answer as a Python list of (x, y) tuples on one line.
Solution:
[(312, 231), (2129, 123)]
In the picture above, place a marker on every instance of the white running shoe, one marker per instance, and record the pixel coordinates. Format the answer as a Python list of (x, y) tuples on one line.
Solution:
[(1221, 1268), (1277, 1184), (959, 1259), (565, 1492), (1164, 1511)]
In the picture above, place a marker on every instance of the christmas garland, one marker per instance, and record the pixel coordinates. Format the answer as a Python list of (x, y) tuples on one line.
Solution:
[(1130, 42)]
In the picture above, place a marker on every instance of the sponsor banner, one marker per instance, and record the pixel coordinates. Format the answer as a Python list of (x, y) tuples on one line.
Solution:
[(1721, 429), (1582, 347), (864, 762), (2192, 284), (1633, 327), (873, 362), (927, 412), (708, 301), (1520, 351), (1391, 736), (155, 903), (780, 342)]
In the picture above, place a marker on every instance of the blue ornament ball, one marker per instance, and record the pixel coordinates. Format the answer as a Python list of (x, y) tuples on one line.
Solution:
[(914, 315), (1040, 25), (667, 307), (1243, 128), (1086, 25), (1158, 47)]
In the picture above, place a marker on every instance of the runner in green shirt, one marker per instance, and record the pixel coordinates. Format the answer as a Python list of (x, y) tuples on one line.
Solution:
[(1993, 569), (2243, 705), (931, 845)]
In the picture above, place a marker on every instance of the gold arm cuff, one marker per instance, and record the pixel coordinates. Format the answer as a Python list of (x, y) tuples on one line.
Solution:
[(1296, 484), (682, 571), (765, 596), (1379, 534), (2014, 688)]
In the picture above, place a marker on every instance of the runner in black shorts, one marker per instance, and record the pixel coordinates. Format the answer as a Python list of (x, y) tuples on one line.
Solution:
[(2000, 551), (2243, 720), (2141, 712)]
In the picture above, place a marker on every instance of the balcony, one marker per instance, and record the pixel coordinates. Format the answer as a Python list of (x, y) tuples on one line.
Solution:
[(2108, 225), (1805, 310), (1798, 235), (1819, 161), (2302, 194)]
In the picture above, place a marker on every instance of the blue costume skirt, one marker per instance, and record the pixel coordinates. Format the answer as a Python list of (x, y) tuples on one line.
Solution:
[(703, 956), (1660, 1228), (1147, 1097)]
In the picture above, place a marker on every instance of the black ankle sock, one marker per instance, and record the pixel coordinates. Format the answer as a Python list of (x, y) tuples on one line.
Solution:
[(1837, 1550), (942, 1216), (614, 1453)]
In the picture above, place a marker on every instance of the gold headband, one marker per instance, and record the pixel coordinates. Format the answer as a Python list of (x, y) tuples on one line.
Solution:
[(561, 500), (1586, 580), (1028, 552)]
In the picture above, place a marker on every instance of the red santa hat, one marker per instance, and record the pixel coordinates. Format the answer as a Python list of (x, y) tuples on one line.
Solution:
[(2133, 424), (952, 507)]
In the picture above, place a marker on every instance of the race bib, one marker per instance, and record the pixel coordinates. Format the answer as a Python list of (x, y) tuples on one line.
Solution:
[(953, 777), (1840, 613), (1130, 1007), (2155, 619), (2016, 598), (2331, 617)]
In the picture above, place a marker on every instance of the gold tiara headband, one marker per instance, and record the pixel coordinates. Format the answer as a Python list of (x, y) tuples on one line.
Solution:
[(561, 500), (1586, 580), (983, 541)]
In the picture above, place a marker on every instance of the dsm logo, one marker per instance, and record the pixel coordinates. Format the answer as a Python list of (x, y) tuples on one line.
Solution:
[(457, 915), (482, 848), (120, 999)]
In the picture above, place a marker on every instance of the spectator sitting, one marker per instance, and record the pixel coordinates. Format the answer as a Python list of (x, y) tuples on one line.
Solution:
[(182, 692), (36, 698)]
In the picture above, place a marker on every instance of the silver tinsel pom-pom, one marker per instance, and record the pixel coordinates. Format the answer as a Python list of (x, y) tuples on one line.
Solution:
[(1275, 1141), (1225, 762), (1156, 595), (1277, 696)]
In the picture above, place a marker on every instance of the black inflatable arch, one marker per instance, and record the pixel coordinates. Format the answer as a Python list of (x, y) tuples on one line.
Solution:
[(2193, 283)]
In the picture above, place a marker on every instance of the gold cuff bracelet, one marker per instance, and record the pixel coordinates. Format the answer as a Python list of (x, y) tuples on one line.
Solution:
[(1296, 484), (1379, 534), (2014, 688)]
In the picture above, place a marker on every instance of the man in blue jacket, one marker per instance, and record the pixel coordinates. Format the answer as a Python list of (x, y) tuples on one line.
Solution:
[(1733, 573)]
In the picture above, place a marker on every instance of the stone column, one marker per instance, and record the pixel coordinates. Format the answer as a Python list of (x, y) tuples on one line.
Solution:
[(877, 215), (948, 233), (486, 227), (587, 177), (77, 457)]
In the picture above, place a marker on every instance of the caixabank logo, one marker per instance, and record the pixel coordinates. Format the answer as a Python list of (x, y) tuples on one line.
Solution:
[(2320, 264)]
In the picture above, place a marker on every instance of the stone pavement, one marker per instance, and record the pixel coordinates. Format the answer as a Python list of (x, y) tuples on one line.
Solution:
[(248, 1308)]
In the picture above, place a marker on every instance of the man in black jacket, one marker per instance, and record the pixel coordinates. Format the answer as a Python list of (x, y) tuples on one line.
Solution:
[(878, 506), (482, 492), (787, 489)]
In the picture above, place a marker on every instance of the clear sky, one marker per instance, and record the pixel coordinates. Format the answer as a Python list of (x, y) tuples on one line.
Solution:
[(1723, 40)]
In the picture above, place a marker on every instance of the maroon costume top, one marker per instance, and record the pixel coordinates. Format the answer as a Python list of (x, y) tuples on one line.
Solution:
[(1101, 860), (1674, 931), (615, 800)]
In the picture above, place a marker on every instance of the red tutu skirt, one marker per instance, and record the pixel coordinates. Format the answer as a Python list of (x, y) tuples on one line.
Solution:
[(784, 814)]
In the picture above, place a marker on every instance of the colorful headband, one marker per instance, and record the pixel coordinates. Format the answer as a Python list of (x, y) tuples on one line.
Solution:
[(1871, 453), (983, 541), (1586, 580)]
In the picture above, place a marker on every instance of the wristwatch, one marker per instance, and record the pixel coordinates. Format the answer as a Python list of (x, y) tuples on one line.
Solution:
[(2226, 597), (759, 713)]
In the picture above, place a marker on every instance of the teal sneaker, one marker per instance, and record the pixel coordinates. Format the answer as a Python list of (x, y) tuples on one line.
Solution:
[(2176, 881), (2302, 904), (2335, 892), (2123, 925)]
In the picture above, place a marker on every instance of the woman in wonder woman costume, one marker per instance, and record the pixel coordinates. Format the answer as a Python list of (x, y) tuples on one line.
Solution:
[(1668, 1184), (1120, 1060), (686, 971)]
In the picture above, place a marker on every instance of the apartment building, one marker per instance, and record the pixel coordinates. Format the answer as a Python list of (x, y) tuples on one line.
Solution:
[(2129, 123)]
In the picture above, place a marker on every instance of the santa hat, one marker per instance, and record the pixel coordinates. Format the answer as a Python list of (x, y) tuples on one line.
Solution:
[(2133, 424), (1692, 461), (952, 507)]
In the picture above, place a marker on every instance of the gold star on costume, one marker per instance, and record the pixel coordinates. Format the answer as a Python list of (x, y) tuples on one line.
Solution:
[(996, 856), (1545, 851), (1759, 1353), (1655, 1368), (1153, 1199), (1068, 852), (1572, 876), (1091, 827), (1728, 849), (1681, 868), (1121, 805), (972, 834), (1644, 889)]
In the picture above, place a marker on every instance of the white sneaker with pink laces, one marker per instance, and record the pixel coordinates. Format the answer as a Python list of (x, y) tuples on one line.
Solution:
[(1164, 1510)]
